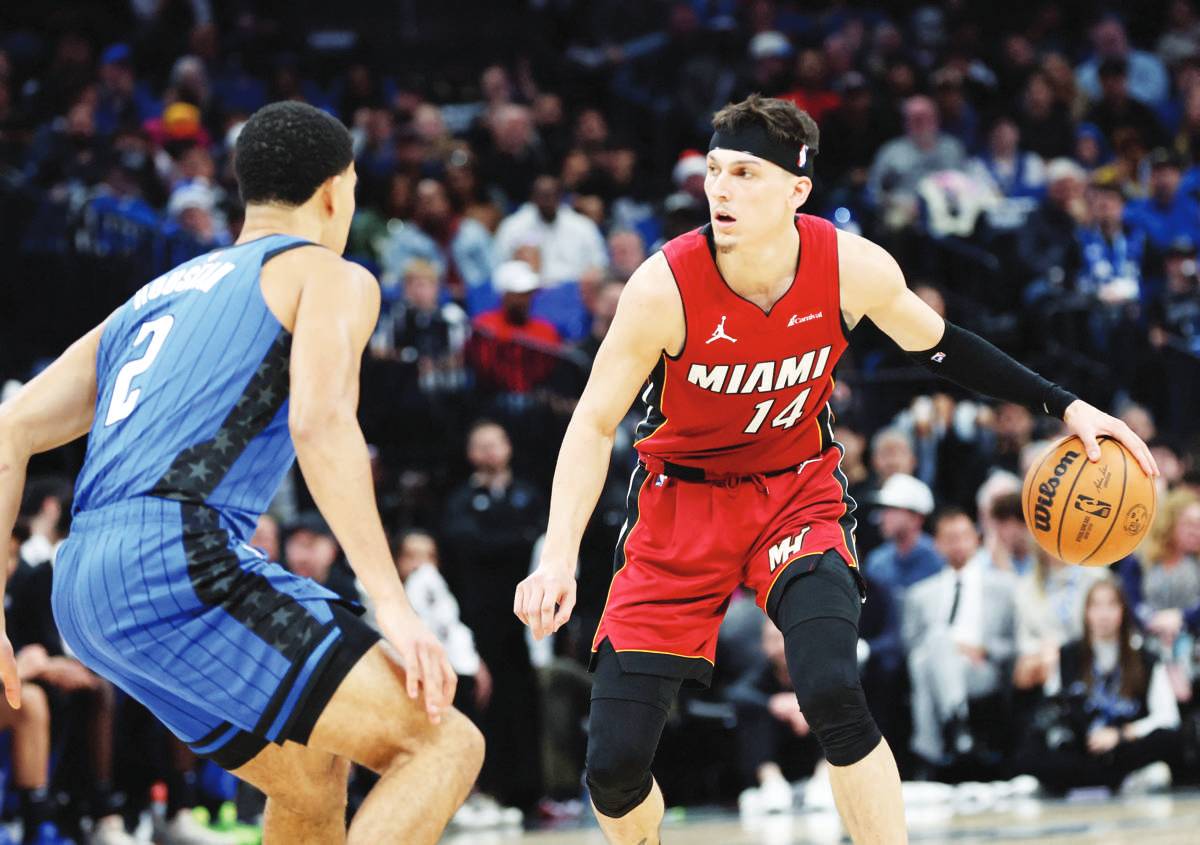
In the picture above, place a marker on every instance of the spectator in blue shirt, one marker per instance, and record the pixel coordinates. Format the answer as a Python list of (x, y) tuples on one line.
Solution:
[(460, 247), (908, 555), (1168, 213), (1148, 80), (1013, 172), (1112, 252), (1110, 281), (120, 100)]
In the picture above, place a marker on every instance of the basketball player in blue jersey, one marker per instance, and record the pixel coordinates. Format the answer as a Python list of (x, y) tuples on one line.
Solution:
[(196, 395)]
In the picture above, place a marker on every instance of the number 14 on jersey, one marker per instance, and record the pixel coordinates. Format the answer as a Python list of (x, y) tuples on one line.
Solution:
[(784, 419)]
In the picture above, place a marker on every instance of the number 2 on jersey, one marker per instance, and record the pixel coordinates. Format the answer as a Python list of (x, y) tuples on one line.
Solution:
[(125, 395), (786, 418)]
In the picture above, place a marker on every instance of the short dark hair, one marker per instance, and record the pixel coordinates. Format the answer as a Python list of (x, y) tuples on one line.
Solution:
[(482, 423), (948, 513), (784, 120), (1007, 506), (287, 150), (397, 540)]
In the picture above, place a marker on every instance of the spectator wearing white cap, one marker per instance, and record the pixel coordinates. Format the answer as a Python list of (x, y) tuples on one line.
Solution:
[(193, 206), (569, 243), (902, 505), (689, 173), (511, 350), (770, 71)]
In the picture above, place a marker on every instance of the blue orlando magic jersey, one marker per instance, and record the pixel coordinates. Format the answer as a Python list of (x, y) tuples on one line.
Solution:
[(192, 389)]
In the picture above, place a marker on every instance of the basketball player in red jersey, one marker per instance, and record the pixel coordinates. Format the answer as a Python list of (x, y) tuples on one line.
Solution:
[(739, 326)]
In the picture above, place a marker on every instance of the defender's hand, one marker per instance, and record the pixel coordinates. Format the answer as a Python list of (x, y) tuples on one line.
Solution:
[(1088, 423), (8, 673), (425, 662), (538, 595)]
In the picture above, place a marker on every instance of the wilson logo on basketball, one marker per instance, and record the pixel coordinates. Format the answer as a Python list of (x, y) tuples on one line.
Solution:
[(1047, 490)]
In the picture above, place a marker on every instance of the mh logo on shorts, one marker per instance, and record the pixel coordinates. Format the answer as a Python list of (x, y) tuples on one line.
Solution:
[(785, 550)]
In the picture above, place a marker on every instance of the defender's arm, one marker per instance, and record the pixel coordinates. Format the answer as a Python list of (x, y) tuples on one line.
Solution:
[(54, 408), (339, 304)]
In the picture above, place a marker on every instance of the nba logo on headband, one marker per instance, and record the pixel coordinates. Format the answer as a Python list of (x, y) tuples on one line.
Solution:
[(803, 157)]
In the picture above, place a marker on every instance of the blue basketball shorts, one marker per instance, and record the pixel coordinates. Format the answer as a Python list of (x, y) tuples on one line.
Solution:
[(229, 650)]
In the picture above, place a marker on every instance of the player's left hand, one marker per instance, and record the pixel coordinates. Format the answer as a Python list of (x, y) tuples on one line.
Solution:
[(1088, 423)]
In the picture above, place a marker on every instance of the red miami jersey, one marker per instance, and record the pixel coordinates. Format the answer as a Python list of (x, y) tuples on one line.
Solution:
[(749, 392)]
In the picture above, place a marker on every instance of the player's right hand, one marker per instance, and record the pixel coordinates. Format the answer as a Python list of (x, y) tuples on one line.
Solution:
[(425, 663), (539, 594), (8, 673)]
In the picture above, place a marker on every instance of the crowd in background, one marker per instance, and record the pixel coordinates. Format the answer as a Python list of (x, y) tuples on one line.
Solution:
[(1036, 176)]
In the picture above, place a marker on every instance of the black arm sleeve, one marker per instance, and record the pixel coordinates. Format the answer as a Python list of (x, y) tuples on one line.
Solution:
[(969, 361)]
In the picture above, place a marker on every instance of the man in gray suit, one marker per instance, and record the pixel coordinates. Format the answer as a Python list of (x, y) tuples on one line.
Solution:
[(960, 635)]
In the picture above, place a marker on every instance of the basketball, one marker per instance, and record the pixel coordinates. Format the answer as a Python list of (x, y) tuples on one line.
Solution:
[(1088, 513)]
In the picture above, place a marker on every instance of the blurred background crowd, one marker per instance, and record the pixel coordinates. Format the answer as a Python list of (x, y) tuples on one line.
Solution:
[(1034, 171)]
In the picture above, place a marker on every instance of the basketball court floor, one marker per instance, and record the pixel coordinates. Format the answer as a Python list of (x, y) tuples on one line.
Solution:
[(1172, 819)]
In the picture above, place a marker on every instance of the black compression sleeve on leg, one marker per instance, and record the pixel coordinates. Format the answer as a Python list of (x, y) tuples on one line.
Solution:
[(969, 361), (823, 664), (628, 713), (622, 739)]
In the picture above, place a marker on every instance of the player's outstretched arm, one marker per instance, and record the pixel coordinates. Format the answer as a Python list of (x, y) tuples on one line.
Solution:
[(54, 408), (872, 285), (649, 320), (336, 314)]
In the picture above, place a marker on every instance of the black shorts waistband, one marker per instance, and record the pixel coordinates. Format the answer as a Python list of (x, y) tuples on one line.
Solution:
[(656, 466)]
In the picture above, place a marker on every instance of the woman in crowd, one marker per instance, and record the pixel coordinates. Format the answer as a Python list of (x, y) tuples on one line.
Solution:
[(1171, 555), (1120, 719)]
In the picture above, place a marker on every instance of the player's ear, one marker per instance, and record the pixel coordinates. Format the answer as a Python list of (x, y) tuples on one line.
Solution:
[(329, 198), (801, 188)]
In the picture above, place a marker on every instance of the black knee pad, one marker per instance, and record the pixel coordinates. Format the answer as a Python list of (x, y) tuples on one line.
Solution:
[(625, 725), (621, 744), (838, 715), (819, 622)]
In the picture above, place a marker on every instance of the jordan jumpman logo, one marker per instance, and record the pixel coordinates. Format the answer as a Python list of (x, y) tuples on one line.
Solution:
[(719, 333)]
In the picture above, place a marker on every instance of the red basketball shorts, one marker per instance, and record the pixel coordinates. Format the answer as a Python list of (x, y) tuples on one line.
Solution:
[(687, 545)]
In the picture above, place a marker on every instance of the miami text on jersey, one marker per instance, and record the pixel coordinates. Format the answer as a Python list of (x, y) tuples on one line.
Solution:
[(764, 376)]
